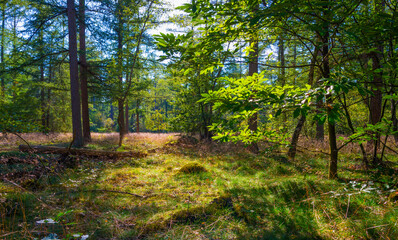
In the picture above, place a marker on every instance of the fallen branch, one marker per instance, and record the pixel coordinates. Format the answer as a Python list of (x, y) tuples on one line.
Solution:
[(105, 190), (80, 152)]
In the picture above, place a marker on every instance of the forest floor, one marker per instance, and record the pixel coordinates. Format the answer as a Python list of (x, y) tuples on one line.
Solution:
[(185, 189)]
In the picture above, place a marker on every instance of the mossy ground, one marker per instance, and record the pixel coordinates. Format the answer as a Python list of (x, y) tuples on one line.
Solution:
[(227, 195)]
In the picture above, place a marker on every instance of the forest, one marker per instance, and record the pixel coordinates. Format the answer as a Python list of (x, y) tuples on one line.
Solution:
[(198, 119)]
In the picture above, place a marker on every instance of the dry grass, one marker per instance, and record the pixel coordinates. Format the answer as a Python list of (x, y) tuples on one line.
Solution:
[(307, 144)]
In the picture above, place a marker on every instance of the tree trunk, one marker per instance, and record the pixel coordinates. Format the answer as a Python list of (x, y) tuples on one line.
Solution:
[(296, 134), (253, 69), (74, 81), (320, 127), (120, 121), (281, 56), (126, 112), (43, 98), (50, 77), (83, 72), (112, 113), (3, 21), (120, 101), (394, 118), (329, 98), (377, 84), (137, 114)]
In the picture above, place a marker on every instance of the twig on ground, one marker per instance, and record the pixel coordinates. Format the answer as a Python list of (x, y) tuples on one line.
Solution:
[(105, 190)]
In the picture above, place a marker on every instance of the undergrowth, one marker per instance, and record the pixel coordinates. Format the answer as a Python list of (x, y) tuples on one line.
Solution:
[(183, 192)]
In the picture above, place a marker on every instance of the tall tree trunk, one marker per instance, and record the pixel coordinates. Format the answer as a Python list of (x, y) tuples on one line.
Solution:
[(74, 81), (83, 71), (329, 98), (121, 99), (3, 21), (377, 84), (253, 68)]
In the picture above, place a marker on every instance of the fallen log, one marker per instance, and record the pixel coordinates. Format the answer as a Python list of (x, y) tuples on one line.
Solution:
[(80, 152)]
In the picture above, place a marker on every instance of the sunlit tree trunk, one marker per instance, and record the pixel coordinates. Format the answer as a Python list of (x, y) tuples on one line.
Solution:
[(74, 81), (83, 72), (120, 100), (253, 69)]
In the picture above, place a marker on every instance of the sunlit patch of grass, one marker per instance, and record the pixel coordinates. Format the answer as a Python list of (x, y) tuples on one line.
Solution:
[(265, 197)]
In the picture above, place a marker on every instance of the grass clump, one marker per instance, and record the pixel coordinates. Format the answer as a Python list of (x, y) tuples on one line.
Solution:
[(192, 168)]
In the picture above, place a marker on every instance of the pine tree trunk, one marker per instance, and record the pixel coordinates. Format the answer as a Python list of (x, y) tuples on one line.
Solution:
[(83, 72), (3, 21), (253, 68), (74, 81)]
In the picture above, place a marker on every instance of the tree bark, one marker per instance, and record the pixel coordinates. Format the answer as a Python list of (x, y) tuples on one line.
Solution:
[(320, 127), (137, 115), (3, 21), (253, 68), (126, 112), (281, 56), (42, 98), (296, 134), (120, 121), (377, 84), (394, 118), (329, 97), (83, 71), (121, 99), (74, 81)]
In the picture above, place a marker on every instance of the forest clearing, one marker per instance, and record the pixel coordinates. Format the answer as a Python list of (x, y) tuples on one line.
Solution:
[(198, 119), (186, 189)]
